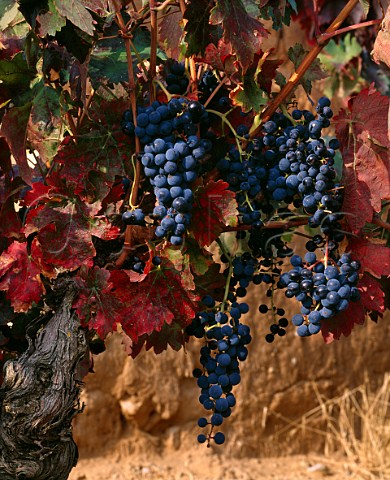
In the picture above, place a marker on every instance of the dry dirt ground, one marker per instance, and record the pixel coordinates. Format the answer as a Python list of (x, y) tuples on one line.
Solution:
[(205, 465)]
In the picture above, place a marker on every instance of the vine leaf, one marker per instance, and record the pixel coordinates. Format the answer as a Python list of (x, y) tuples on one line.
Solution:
[(8, 11), (200, 260), (15, 75), (95, 304), (344, 322), (171, 32), (14, 130), (65, 226), (362, 131), (253, 92), (51, 21), (10, 222), (165, 300), (20, 277), (315, 72), (279, 11), (243, 31), (372, 296), (45, 122), (91, 165), (214, 208), (75, 12), (373, 256), (170, 335), (365, 4), (381, 51), (198, 29), (181, 263), (109, 59)]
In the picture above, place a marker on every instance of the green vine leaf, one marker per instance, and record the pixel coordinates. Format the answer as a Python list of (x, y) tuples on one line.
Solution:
[(8, 11), (75, 12), (51, 21), (315, 72)]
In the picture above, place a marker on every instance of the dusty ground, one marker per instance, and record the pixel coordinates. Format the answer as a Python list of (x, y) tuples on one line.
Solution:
[(201, 465)]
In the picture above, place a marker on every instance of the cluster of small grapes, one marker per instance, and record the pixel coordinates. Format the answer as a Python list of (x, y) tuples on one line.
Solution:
[(134, 263), (171, 168), (170, 162), (247, 175), (245, 269), (323, 289), (162, 120), (226, 339), (207, 84), (276, 328), (176, 79), (307, 167)]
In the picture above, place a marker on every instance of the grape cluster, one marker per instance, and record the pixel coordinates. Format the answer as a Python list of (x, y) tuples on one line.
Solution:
[(165, 120), (171, 168), (306, 166), (244, 272), (291, 164), (226, 339), (176, 79), (207, 84), (247, 176), (133, 217), (323, 289)]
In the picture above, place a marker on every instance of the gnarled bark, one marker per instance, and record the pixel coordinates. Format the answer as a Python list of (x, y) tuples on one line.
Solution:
[(39, 398)]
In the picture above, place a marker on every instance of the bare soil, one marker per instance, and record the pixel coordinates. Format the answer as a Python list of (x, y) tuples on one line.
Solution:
[(200, 464)]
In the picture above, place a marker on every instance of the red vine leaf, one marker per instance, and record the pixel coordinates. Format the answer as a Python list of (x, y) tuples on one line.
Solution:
[(164, 300), (170, 335), (381, 52), (373, 256), (363, 133), (218, 56), (242, 30), (65, 226), (14, 130), (372, 296), (214, 208), (20, 277), (343, 323), (95, 303), (90, 165)]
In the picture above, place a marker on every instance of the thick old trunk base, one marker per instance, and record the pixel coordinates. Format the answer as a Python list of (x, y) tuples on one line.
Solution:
[(38, 400)]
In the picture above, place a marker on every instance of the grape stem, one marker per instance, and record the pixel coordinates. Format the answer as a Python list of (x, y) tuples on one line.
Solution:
[(215, 91), (286, 225), (153, 49), (133, 100), (324, 37), (303, 67), (380, 223), (326, 257), (222, 116), (227, 286)]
